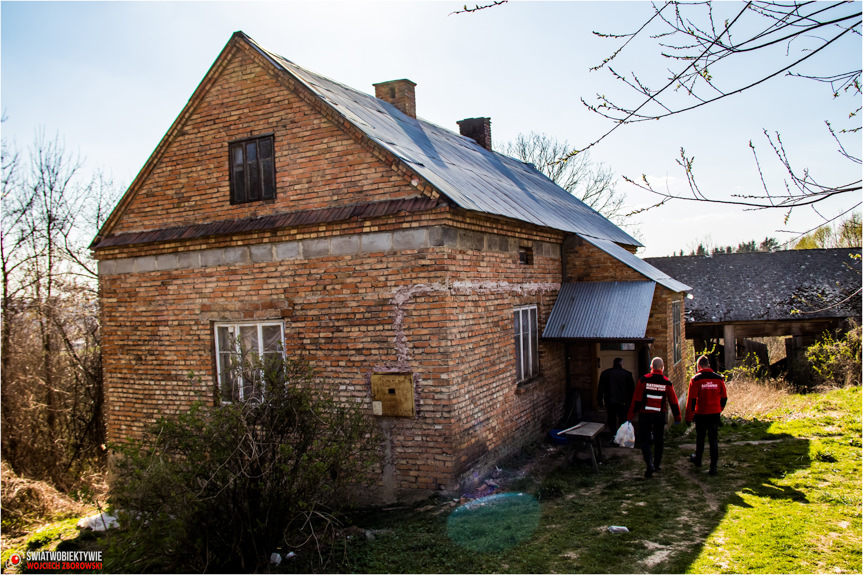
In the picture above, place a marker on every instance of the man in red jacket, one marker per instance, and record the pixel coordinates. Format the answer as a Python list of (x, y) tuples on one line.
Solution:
[(653, 395), (704, 402)]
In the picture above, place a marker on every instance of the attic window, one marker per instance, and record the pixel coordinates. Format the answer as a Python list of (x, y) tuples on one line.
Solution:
[(525, 256), (253, 173)]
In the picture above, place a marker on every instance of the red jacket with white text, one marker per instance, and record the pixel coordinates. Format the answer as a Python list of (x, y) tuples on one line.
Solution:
[(707, 394), (654, 394)]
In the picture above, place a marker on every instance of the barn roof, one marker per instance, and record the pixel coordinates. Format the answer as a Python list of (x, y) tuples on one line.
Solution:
[(785, 285)]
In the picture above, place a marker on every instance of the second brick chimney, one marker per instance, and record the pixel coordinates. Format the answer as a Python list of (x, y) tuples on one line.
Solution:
[(477, 128), (399, 93)]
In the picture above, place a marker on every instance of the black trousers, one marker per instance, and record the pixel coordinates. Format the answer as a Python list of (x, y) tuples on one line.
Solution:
[(707, 425), (651, 429), (616, 416)]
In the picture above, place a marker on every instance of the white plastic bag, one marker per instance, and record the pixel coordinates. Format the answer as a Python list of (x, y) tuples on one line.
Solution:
[(625, 436)]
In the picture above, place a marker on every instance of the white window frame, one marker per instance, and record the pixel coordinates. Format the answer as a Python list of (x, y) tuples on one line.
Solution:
[(526, 342), (676, 330), (232, 349)]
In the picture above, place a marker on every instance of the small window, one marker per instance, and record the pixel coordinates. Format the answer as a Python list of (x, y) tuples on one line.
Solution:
[(606, 346), (525, 256), (244, 352), (526, 343), (677, 321), (253, 173)]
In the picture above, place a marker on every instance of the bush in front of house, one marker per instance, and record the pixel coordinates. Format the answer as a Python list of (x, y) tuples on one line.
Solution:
[(221, 488)]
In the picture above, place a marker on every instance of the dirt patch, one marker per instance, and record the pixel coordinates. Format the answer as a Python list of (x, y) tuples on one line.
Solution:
[(659, 553), (535, 466)]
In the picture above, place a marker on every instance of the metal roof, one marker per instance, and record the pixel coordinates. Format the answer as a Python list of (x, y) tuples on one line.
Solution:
[(787, 285), (468, 174), (639, 265), (601, 311)]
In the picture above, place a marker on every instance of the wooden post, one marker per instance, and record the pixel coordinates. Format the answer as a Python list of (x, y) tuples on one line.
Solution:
[(730, 346)]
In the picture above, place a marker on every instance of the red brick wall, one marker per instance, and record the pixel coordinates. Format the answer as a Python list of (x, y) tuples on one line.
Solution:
[(441, 310), (585, 262), (660, 325), (491, 406), (317, 164), (441, 313)]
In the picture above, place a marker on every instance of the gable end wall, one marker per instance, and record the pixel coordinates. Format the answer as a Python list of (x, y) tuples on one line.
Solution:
[(318, 165)]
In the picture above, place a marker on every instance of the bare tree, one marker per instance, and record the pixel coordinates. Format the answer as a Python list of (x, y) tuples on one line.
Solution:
[(706, 50), (707, 45), (12, 238), (478, 7), (592, 183), (52, 382)]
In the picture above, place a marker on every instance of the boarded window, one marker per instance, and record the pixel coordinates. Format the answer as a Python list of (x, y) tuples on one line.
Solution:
[(526, 334), (253, 173)]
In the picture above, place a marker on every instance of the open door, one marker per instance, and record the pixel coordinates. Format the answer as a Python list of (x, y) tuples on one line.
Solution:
[(605, 354)]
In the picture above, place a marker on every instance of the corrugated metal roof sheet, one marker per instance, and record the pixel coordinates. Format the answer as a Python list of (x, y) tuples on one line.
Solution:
[(601, 310), (639, 265), (471, 176)]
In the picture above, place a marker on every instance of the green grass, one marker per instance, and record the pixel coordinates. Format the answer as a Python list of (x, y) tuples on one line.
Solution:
[(806, 518), (786, 500)]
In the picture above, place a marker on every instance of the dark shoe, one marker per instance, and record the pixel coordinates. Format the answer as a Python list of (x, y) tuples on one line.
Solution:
[(649, 473), (712, 471), (657, 468), (694, 461)]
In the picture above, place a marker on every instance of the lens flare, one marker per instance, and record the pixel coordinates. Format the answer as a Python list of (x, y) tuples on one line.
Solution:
[(494, 523)]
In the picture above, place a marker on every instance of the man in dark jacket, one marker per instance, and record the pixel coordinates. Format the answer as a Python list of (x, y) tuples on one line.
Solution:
[(615, 390), (653, 396), (705, 400)]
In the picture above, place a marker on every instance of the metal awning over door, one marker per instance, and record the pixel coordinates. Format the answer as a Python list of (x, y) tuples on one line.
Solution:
[(598, 311)]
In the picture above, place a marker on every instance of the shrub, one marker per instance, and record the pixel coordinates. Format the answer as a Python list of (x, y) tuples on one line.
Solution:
[(220, 488), (836, 361)]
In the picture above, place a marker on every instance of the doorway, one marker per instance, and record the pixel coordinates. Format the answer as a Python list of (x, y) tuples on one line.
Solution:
[(635, 356)]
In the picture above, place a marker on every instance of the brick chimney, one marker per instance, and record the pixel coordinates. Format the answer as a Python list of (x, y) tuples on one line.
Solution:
[(477, 128), (399, 93)]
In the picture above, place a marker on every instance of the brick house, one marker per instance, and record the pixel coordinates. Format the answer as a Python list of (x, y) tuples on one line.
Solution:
[(415, 268)]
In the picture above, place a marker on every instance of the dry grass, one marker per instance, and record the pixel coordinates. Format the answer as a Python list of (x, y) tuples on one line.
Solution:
[(750, 398), (27, 501)]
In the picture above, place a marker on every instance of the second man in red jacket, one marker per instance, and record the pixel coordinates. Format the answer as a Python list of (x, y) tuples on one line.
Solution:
[(704, 402)]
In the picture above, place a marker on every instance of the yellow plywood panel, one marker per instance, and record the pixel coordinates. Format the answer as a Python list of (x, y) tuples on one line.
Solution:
[(393, 394)]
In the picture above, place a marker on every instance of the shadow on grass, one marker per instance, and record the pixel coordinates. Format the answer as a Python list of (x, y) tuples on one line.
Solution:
[(668, 517), (752, 463), (561, 522)]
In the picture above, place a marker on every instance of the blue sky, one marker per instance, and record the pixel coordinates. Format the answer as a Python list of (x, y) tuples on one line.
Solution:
[(111, 77)]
